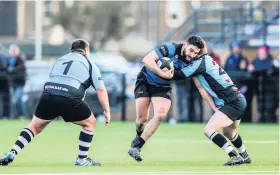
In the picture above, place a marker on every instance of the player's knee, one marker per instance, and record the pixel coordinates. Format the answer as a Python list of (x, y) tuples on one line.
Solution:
[(208, 131), (160, 114), (90, 122), (141, 119), (228, 133), (36, 129)]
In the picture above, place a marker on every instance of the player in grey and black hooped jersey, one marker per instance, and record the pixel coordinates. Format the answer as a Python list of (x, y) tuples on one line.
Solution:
[(63, 95)]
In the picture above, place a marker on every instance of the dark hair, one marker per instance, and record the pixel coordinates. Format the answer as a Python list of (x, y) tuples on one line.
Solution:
[(79, 45), (196, 41)]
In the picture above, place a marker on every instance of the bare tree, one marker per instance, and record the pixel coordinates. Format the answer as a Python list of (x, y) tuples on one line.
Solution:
[(94, 21)]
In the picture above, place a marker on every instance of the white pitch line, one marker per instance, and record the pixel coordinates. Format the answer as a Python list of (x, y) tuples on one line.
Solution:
[(207, 141), (159, 173)]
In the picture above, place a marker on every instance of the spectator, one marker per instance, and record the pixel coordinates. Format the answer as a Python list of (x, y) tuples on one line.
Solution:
[(16, 69), (263, 66), (215, 57), (236, 66), (4, 87), (263, 61), (236, 61)]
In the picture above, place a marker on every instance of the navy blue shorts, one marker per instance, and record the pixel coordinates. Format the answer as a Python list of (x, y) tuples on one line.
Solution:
[(235, 108), (144, 89)]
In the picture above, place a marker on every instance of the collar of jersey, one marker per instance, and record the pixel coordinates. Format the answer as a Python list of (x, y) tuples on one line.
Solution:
[(80, 52)]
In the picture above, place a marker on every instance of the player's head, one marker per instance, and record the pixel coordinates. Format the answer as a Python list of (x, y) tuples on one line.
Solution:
[(80, 45), (192, 47)]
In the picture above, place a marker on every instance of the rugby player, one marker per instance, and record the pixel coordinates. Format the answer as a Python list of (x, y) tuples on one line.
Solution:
[(63, 96), (217, 88), (153, 86)]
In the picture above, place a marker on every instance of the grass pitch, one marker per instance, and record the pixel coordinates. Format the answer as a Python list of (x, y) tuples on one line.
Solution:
[(174, 149)]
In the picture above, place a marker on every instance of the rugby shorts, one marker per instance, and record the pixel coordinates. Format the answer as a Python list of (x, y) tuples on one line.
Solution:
[(235, 108), (144, 89), (52, 106)]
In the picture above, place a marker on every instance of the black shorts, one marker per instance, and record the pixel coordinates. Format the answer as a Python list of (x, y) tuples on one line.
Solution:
[(144, 89), (51, 106), (235, 108)]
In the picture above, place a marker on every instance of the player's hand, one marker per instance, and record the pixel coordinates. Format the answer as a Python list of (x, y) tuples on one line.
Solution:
[(168, 74), (107, 116)]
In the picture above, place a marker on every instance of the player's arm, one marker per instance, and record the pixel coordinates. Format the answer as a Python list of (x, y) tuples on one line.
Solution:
[(178, 74), (195, 68), (101, 92), (150, 60), (205, 95)]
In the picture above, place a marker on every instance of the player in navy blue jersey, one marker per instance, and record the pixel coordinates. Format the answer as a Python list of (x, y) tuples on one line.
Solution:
[(63, 96), (153, 86), (217, 88)]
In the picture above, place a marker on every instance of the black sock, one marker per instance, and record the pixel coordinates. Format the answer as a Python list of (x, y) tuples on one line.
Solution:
[(24, 138), (139, 133), (85, 139), (140, 129), (221, 141), (238, 144), (139, 142)]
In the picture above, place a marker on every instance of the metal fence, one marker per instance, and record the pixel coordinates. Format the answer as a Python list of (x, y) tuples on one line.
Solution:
[(264, 85)]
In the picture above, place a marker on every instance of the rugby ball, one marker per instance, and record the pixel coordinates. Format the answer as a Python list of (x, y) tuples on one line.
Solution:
[(165, 63)]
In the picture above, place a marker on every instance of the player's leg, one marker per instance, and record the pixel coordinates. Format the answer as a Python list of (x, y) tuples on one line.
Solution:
[(142, 99), (235, 138), (81, 114), (161, 106), (24, 138), (218, 121), (85, 139), (211, 130), (142, 114)]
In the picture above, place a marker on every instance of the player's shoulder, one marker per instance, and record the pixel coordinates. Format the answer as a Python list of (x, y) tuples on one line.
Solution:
[(167, 49)]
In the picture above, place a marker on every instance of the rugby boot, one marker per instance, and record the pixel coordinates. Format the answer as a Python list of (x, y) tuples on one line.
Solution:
[(235, 160), (86, 162), (135, 153), (246, 157), (7, 159)]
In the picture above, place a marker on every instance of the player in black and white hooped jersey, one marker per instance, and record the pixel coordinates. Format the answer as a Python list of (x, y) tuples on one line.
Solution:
[(63, 94)]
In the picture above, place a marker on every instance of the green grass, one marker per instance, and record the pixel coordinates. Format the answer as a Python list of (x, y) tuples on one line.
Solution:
[(173, 148)]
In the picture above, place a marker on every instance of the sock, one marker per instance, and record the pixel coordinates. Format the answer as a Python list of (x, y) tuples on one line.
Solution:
[(139, 133), (84, 143), (24, 138), (237, 142), (140, 129), (139, 142), (221, 141)]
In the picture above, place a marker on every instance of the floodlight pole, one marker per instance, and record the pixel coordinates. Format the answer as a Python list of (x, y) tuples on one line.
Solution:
[(38, 30)]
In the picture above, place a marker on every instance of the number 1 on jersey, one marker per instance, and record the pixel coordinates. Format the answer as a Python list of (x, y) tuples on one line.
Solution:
[(69, 63)]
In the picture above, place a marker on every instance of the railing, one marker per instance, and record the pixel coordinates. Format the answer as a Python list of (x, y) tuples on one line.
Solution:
[(256, 81), (231, 24)]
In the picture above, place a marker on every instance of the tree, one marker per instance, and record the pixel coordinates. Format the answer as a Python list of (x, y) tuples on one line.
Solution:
[(94, 21)]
